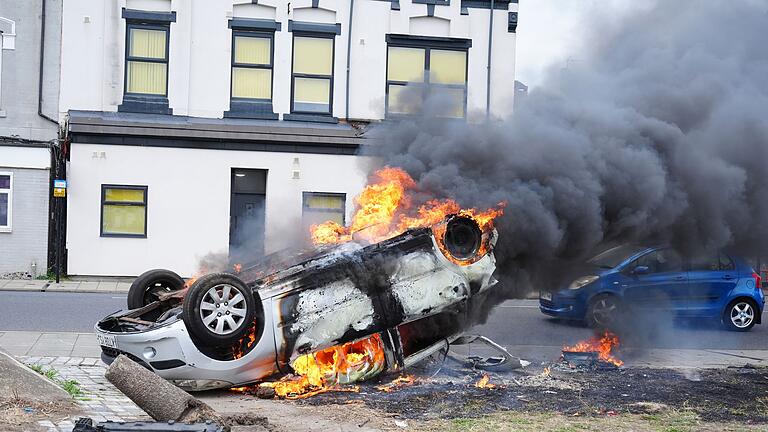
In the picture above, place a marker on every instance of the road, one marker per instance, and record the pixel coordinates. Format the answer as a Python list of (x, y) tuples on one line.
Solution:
[(515, 323)]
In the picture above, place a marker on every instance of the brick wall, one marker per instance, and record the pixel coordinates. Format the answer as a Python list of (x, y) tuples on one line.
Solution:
[(28, 239)]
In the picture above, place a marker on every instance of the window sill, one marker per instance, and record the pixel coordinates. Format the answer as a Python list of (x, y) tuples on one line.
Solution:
[(133, 236), (251, 110), (145, 104), (2, 114), (317, 118)]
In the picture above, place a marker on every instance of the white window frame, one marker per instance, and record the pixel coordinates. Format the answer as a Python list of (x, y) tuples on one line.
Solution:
[(7, 42), (9, 192)]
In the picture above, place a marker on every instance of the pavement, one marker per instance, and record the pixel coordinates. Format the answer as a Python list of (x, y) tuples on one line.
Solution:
[(75, 286)]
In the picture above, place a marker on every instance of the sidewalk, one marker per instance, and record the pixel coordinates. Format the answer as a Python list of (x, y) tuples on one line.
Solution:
[(50, 344), (79, 286)]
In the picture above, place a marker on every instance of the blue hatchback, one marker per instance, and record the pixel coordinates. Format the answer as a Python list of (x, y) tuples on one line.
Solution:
[(635, 278)]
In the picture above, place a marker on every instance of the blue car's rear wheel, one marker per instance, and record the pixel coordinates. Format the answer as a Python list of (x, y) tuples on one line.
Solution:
[(603, 312), (740, 315)]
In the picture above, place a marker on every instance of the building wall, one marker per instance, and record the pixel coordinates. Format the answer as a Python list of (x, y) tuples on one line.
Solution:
[(188, 202), (21, 68), (93, 47), (28, 240)]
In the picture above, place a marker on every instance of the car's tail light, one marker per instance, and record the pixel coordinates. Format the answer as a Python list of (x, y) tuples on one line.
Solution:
[(757, 278)]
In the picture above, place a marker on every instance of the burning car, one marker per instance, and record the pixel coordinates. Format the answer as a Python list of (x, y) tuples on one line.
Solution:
[(387, 303)]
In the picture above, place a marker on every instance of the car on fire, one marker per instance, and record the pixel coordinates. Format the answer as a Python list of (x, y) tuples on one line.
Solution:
[(232, 328), (629, 278)]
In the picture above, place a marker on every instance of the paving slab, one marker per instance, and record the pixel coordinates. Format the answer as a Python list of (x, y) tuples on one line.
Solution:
[(24, 285), (64, 286), (17, 379)]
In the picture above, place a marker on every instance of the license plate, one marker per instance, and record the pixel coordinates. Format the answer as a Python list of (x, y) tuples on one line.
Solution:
[(106, 340), (545, 295)]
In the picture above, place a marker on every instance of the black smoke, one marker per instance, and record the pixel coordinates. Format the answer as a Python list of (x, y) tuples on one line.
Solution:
[(658, 134)]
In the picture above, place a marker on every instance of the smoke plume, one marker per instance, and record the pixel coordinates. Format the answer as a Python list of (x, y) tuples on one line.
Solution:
[(658, 134)]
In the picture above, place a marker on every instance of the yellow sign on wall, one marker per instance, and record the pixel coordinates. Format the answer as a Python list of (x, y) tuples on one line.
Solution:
[(59, 192)]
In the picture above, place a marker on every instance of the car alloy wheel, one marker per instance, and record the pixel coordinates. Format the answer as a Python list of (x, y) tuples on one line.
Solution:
[(742, 314), (604, 311), (223, 309)]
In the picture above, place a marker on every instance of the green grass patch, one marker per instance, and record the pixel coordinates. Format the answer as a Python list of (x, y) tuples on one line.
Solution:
[(70, 386)]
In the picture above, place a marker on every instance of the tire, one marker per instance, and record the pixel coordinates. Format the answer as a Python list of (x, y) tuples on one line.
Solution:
[(740, 315), (145, 288), (214, 320), (603, 312)]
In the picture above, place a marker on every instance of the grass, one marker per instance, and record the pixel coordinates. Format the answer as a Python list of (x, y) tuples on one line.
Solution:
[(70, 386), (667, 421)]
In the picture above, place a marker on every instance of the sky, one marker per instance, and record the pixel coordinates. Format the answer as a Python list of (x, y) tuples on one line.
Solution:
[(548, 33)]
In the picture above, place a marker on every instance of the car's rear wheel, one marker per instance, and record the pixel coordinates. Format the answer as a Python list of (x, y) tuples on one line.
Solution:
[(218, 309), (740, 315), (603, 312), (148, 287)]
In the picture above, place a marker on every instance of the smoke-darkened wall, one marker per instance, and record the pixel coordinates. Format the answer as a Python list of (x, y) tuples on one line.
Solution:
[(657, 134)]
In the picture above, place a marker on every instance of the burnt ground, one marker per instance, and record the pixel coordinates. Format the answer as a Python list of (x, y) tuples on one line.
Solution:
[(734, 394)]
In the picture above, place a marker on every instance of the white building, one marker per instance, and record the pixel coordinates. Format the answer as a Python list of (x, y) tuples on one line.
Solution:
[(29, 63), (223, 125)]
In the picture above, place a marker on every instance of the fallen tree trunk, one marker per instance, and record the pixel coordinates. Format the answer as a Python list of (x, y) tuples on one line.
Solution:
[(157, 397)]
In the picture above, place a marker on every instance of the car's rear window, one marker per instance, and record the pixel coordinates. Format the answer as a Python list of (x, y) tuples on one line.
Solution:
[(615, 256)]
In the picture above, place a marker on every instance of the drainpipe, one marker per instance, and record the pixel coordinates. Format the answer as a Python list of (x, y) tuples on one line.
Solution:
[(42, 61), (488, 78), (349, 52)]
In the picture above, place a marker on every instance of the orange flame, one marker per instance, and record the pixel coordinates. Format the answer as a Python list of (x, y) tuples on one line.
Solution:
[(385, 209), (397, 383), (325, 370), (485, 382), (603, 345), (238, 268)]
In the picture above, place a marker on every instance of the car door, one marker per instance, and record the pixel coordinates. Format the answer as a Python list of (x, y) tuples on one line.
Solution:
[(663, 284), (711, 277)]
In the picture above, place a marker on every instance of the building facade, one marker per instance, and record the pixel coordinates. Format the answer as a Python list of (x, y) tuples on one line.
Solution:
[(231, 125), (29, 78)]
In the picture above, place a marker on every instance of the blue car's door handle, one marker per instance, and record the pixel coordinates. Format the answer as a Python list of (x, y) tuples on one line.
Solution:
[(728, 277), (679, 277)]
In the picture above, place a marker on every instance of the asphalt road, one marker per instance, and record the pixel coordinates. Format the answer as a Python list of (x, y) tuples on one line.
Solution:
[(515, 323)]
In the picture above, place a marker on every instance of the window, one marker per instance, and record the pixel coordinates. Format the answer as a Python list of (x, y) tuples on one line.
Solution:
[(713, 262), (660, 261), (123, 211), (252, 66), (312, 85), (415, 73), (146, 60), (321, 207), (6, 201)]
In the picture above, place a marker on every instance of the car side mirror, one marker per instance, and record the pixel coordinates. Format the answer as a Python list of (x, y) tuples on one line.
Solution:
[(640, 270)]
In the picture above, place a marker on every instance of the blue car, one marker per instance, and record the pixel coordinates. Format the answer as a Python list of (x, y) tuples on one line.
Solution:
[(632, 278)]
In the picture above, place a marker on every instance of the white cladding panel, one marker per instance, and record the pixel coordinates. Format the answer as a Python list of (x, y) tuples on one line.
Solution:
[(188, 201)]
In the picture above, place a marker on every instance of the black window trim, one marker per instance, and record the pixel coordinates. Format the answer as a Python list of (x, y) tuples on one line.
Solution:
[(342, 195), (427, 43), (104, 202), (145, 102), (317, 31), (250, 107)]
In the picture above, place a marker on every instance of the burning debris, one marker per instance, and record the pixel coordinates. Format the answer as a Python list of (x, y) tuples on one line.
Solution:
[(485, 383), (593, 351), (397, 383)]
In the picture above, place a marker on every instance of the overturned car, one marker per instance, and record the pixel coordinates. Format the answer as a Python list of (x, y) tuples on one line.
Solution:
[(410, 291)]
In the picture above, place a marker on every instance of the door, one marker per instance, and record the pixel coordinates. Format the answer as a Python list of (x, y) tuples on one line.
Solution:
[(711, 277), (247, 215), (662, 286)]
